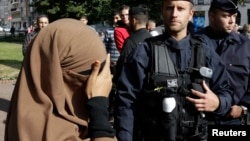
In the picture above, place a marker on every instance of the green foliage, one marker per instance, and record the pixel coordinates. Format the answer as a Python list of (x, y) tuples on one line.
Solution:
[(242, 2), (96, 10), (10, 60)]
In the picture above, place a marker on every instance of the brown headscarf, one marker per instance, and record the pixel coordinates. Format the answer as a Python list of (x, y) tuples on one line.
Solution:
[(48, 102)]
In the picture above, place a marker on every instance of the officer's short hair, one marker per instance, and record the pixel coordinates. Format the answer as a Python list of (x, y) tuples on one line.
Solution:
[(140, 13)]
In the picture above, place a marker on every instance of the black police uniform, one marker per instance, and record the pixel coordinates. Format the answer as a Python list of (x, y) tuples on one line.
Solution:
[(136, 68), (130, 43), (133, 40), (234, 51)]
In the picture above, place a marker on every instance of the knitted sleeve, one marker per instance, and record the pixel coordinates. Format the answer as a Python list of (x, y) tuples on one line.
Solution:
[(99, 126)]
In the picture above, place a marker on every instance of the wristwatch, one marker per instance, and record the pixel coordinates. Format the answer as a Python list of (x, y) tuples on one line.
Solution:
[(244, 110)]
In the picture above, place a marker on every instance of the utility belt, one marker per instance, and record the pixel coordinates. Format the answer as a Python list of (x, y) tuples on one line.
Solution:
[(183, 123)]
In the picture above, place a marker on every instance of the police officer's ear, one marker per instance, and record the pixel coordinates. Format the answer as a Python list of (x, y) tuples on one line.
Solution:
[(191, 10), (191, 14), (211, 15), (133, 21)]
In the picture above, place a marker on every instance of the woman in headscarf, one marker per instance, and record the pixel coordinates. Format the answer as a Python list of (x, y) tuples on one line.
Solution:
[(55, 97)]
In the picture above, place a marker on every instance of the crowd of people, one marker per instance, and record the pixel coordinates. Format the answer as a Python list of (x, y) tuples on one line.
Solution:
[(140, 82)]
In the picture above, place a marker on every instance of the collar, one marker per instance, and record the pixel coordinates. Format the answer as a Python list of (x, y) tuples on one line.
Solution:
[(180, 45), (232, 36)]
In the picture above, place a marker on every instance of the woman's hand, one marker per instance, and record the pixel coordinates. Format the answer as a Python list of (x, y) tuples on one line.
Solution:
[(99, 83)]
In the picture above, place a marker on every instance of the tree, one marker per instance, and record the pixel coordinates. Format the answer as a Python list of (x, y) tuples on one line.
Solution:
[(96, 10), (242, 2), (154, 6)]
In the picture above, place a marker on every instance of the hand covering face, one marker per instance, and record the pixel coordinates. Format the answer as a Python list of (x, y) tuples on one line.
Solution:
[(48, 101)]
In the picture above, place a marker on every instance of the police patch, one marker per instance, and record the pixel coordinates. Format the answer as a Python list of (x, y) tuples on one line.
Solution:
[(172, 83)]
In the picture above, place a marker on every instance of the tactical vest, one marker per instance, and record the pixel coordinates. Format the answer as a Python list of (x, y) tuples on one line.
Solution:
[(185, 123)]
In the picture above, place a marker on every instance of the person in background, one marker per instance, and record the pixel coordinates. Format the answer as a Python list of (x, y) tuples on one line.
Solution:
[(116, 18), (138, 17), (12, 31), (121, 32), (246, 30), (32, 27), (236, 28), (59, 96), (84, 20), (114, 55), (101, 35), (141, 111), (158, 30), (151, 24), (109, 40), (233, 48), (41, 21)]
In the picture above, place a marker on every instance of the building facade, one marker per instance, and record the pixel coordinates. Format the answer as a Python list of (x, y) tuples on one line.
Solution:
[(4, 11), (16, 13)]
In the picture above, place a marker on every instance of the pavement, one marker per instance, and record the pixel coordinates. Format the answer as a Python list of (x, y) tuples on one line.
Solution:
[(6, 89)]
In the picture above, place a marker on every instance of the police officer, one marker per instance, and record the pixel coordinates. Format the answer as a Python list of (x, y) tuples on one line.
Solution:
[(133, 79), (138, 17), (234, 50)]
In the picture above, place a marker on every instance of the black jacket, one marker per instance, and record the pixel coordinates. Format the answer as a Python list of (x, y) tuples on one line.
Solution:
[(134, 72), (234, 50), (130, 43), (28, 38)]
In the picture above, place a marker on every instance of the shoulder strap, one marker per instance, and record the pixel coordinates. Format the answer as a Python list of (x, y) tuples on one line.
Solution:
[(198, 60), (197, 55), (161, 61), (162, 64)]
